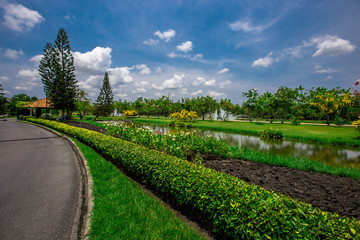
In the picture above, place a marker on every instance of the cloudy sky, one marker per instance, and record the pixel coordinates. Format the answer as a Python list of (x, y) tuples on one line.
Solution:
[(185, 48)]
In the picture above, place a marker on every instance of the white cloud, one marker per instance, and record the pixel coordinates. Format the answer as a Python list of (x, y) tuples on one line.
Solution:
[(19, 18), (246, 26), (263, 62), (224, 83), (4, 78), (143, 69), (36, 59), (13, 54), (199, 81), (92, 83), (142, 84), (158, 70), (151, 42), (99, 59), (210, 83), (139, 90), (198, 92), (319, 69), (215, 94), (331, 46), (26, 73), (121, 95), (224, 70), (23, 88), (174, 82), (192, 58), (167, 35), (185, 46), (295, 52), (120, 75)]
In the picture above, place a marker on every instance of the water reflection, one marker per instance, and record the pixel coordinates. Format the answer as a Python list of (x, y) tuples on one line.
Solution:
[(332, 155)]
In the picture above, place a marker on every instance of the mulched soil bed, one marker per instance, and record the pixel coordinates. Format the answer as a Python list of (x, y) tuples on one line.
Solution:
[(327, 192)]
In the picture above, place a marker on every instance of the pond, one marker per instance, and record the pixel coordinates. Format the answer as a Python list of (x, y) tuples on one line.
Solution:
[(332, 155)]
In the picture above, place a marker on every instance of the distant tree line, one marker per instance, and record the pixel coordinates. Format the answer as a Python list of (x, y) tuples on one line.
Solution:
[(285, 104)]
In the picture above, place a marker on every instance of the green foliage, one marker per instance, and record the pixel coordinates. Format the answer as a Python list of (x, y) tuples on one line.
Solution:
[(187, 146), (295, 121), (47, 116), (272, 134), (237, 209), (338, 121), (104, 104), (120, 204), (3, 101), (57, 73), (83, 104)]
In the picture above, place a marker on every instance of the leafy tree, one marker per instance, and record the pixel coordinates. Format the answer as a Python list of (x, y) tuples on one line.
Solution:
[(104, 104), (138, 105), (263, 105), (227, 106), (83, 104), (57, 73), (3, 101), (331, 102), (284, 101), (205, 105), (13, 107), (250, 104)]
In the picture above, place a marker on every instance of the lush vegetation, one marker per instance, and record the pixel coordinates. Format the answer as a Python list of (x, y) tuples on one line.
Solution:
[(272, 134), (235, 208), (187, 146), (104, 102), (57, 73), (319, 134), (122, 210)]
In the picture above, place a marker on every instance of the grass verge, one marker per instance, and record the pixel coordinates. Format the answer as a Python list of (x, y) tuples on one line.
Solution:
[(123, 211)]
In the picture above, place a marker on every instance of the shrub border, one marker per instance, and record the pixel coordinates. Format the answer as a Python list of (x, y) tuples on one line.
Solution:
[(237, 209)]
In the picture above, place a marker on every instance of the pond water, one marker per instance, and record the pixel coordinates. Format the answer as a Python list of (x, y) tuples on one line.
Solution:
[(332, 155)]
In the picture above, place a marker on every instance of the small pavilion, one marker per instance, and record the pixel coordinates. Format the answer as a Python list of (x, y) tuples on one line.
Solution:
[(37, 106)]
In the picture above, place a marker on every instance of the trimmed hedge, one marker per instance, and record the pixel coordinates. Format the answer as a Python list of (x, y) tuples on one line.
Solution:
[(238, 209)]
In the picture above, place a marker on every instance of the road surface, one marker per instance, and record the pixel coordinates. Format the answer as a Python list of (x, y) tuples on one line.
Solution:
[(39, 183)]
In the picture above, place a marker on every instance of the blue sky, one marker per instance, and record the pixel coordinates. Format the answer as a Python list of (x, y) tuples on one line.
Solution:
[(185, 48)]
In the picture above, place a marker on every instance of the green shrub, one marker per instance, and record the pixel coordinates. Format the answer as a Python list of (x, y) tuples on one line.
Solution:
[(272, 134), (295, 121), (237, 209), (339, 121), (172, 123)]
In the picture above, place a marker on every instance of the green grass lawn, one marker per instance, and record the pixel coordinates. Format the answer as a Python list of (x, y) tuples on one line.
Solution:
[(122, 210), (321, 134)]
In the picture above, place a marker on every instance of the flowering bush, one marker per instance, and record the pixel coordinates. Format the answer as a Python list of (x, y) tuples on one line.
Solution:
[(357, 124), (183, 145), (130, 113), (184, 115)]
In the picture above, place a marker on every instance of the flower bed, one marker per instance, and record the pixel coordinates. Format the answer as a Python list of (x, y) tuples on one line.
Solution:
[(237, 209), (187, 146)]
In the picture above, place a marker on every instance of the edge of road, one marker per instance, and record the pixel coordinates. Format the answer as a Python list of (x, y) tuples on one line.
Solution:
[(85, 203)]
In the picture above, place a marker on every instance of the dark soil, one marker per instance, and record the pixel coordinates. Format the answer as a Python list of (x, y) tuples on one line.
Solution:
[(89, 126), (329, 193)]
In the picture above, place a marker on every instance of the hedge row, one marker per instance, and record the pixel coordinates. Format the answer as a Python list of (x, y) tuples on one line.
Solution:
[(238, 209)]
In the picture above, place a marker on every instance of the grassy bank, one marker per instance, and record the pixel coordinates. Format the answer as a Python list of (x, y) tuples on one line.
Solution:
[(319, 134), (123, 211)]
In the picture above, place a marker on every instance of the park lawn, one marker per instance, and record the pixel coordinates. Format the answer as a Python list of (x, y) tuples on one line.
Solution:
[(320, 134), (122, 210)]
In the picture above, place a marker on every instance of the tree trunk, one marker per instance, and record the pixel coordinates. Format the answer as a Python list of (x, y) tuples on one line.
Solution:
[(328, 119)]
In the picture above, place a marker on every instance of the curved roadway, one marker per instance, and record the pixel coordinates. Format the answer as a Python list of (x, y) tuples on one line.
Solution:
[(39, 183)]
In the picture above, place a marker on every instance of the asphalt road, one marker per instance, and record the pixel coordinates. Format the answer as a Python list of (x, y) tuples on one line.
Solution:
[(39, 183)]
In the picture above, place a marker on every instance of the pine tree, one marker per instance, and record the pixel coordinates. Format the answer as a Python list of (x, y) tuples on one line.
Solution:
[(57, 73), (104, 103)]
